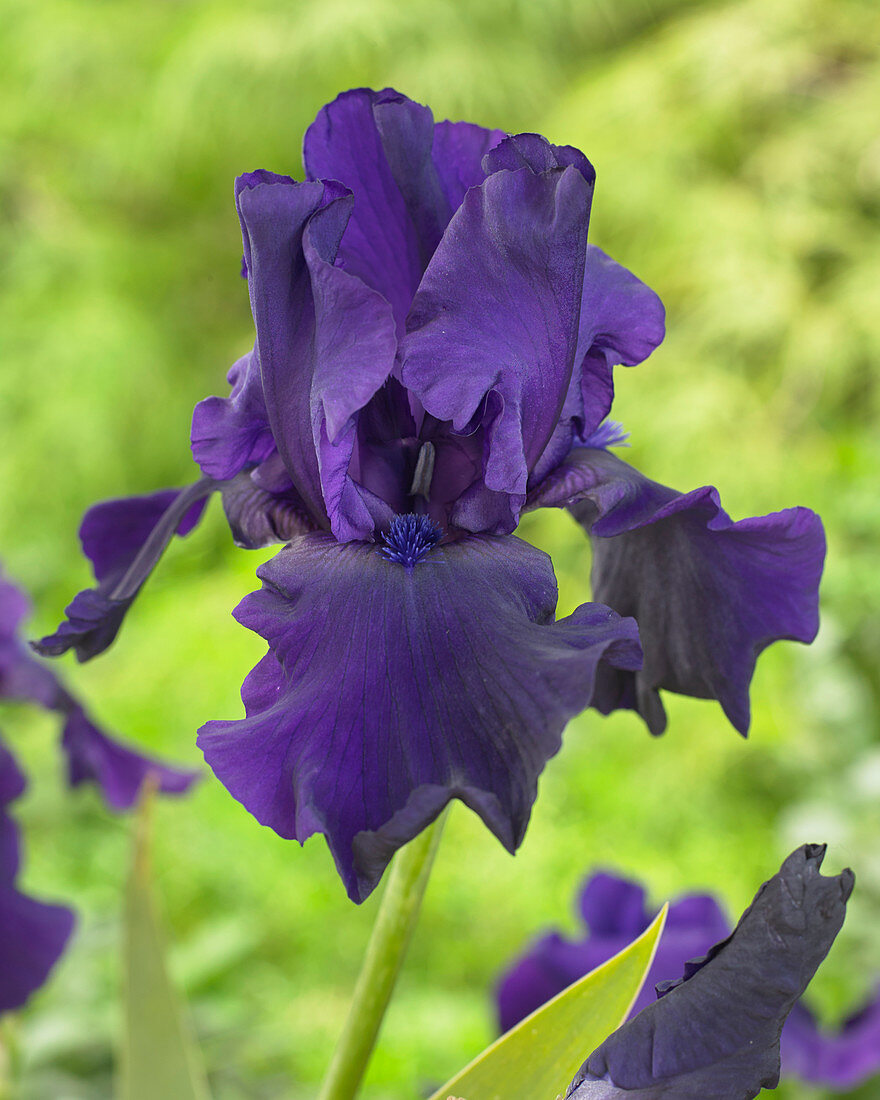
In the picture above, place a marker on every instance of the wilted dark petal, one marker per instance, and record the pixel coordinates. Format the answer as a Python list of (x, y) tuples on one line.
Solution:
[(260, 518), (229, 433), (493, 329), (715, 1034), (124, 540), (843, 1058), (379, 145), (708, 594), (388, 690), (458, 151), (119, 771)]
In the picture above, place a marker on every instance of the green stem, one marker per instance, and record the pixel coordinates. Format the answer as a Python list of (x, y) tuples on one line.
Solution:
[(392, 932)]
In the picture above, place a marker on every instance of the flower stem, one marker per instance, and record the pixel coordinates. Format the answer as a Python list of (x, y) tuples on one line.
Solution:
[(390, 938)]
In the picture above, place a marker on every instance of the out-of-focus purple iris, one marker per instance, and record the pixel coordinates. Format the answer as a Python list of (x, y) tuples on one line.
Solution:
[(435, 342), (33, 934), (714, 1034), (92, 755), (615, 913)]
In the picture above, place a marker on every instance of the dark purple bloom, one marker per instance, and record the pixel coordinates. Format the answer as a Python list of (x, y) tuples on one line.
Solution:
[(714, 1034), (33, 934), (92, 755), (708, 594), (615, 912), (843, 1058), (435, 340)]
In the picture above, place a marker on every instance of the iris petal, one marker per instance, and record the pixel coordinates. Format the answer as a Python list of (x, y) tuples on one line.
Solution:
[(119, 771), (615, 912), (457, 151), (715, 1034), (843, 1058), (493, 329), (379, 144), (708, 594), (124, 540), (33, 934), (386, 692), (325, 340), (230, 433)]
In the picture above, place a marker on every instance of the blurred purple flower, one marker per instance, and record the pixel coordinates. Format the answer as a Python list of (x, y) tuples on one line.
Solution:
[(435, 342), (615, 913), (33, 934), (714, 1034), (92, 755)]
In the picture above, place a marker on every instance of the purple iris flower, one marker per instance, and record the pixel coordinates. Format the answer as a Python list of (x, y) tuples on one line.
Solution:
[(615, 913), (33, 934), (92, 755), (435, 344), (714, 1034)]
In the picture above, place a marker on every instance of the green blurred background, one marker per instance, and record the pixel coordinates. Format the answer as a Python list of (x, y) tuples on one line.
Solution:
[(738, 160)]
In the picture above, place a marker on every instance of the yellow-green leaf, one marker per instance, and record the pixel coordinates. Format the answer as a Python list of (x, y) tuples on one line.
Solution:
[(536, 1059), (159, 1055)]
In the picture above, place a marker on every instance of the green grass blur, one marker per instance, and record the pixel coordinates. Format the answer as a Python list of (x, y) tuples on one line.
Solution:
[(738, 161)]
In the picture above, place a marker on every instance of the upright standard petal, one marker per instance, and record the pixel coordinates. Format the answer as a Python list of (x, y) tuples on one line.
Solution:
[(379, 144), (326, 341), (714, 1035), (33, 934), (537, 153), (392, 686), (708, 594), (458, 150), (124, 540), (492, 333)]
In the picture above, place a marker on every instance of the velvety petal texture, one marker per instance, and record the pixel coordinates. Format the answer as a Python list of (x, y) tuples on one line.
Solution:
[(392, 686), (492, 333), (124, 540), (408, 176), (33, 934), (615, 912), (621, 322), (714, 1035), (708, 594), (326, 341), (230, 433), (92, 755)]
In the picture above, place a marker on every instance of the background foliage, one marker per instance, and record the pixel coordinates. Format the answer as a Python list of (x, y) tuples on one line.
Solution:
[(739, 174)]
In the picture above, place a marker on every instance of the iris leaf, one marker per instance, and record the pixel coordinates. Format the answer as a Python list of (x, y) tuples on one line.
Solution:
[(159, 1055), (536, 1059)]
